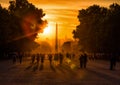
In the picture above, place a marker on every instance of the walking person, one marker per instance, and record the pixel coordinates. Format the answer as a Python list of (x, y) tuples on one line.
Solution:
[(56, 59), (38, 59), (42, 58), (113, 61), (61, 58), (50, 58), (85, 60), (33, 58), (21, 57), (81, 60), (67, 55), (14, 57)]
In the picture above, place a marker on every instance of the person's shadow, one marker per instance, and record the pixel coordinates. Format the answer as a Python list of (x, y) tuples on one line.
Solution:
[(36, 66), (30, 66), (52, 67), (41, 67)]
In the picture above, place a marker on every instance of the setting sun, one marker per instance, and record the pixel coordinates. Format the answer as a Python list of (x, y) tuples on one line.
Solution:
[(46, 31)]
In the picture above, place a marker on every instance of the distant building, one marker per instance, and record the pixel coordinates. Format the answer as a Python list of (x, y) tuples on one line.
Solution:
[(70, 47)]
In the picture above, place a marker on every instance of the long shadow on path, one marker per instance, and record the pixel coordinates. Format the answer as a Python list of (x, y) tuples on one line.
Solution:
[(33, 66), (107, 77), (30, 66), (61, 69), (53, 68), (41, 67), (36, 66)]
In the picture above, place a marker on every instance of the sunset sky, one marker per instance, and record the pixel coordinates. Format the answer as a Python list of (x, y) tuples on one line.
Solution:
[(64, 13)]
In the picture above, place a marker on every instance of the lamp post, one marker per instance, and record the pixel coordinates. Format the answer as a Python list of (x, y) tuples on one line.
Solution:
[(56, 38)]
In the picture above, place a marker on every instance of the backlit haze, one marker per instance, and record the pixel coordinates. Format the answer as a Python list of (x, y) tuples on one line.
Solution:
[(62, 12)]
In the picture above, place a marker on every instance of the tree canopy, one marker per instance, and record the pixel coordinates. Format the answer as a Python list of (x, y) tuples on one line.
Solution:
[(99, 29), (19, 25), (28, 17)]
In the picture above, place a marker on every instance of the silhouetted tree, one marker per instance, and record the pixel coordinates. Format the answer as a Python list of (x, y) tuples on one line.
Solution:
[(99, 28), (4, 28), (19, 26), (27, 18)]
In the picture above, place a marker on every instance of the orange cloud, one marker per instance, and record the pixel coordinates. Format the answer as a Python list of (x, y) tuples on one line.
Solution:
[(71, 4)]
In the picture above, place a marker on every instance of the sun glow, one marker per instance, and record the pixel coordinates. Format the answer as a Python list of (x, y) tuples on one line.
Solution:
[(46, 31)]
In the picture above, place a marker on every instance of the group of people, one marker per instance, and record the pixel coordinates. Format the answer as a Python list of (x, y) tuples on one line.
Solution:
[(58, 58), (83, 60), (39, 58), (18, 56)]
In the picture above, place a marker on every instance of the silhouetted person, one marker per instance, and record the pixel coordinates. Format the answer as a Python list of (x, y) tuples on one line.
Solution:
[(61, 58), (81, 61), (113, 61), (14, 56), (56, 59), (21, 57), (33, 58), (67, 55), (38, 58), (42, 58), (50, 58), (84, 60)]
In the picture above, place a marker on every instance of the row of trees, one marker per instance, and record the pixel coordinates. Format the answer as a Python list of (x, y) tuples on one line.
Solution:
[(99, 29), (19, 25)]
